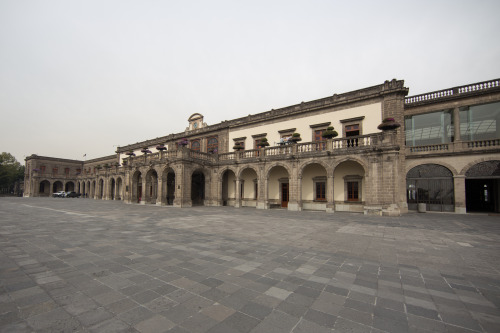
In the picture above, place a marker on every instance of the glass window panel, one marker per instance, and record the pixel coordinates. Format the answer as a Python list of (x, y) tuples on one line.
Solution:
[(480, 122), (429, 129)]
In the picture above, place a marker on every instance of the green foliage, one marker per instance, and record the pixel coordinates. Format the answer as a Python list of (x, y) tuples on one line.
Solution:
[(10, 171)]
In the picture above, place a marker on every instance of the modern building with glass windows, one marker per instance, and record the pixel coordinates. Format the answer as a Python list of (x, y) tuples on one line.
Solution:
[(443, 156)]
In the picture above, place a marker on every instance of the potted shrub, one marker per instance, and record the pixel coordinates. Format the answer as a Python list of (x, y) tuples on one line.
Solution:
[(161, 147), (295, 138), (263, 143), (145, 151), (388, 124), (237, 146), (330, 133), (131, 153), (183, 142)]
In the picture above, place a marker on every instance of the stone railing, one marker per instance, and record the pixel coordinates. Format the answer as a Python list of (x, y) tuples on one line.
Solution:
[(457, 91), (306, 148), (453, 147)]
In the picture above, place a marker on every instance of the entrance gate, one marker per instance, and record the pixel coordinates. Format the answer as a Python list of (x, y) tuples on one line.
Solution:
[(431, 184)]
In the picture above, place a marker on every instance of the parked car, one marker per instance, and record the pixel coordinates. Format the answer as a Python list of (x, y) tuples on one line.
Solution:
[(72, 195), (58, 194)]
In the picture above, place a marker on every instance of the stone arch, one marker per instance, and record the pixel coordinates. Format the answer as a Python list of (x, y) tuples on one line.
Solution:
[(168, 185), (228, 187), (277, 164), (57, 186), (93, 189), (302, 166), (100, 188), (249, 179), (360, 161), (151, 192), (198, 187), (137, 190), (349, 182), (448, 166), (430, 184), (469, 165), (482, 186), (69, 186), (44, 188), (119, 188), (313, 185), (278, 185)]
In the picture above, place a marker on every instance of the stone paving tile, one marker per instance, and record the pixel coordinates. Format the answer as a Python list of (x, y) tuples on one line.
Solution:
[(135, 268)]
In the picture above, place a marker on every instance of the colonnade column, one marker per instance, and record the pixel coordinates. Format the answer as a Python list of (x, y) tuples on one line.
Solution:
[(330, 202), (159, 192), (237, 193), (460, 199)]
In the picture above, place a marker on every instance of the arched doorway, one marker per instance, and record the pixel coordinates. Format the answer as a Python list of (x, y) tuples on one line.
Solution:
[(168, 183), (349, 186), (44, 189), (119, 189), (112, 188), (198, 188), (228, 188), (482, 187), (57, 186), (137, 187), (70, 187), (82, 190), (249, 187), (151, 186), (92, 190), (278, 187), (101, 189), (313, 190), (431, 184)]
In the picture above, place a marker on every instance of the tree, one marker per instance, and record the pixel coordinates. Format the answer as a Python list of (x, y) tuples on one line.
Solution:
[(10, 172)]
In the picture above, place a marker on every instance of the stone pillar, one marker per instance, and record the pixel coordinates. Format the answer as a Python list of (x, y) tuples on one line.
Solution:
[(294, 184), (144, 189), (456, 129), (237, 194), (263, 201), (159, 193), (460, 198), (330, 195)]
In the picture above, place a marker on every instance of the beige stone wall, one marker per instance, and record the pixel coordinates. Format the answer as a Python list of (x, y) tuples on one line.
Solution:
[(371, 113)]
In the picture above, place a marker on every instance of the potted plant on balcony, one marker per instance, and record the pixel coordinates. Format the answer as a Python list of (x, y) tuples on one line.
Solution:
[(161, 147), (183, 142), (388, 124), (98, 167), (131, 153), (106, 166), (124, 162), (145, 151), (330, 133), (237, 146), (263, 143), (295, 138)]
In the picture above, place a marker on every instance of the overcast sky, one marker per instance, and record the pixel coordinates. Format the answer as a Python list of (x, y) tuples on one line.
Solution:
[(82, 77)]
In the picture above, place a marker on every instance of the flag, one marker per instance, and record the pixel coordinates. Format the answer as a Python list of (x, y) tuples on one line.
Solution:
[(84, 155)]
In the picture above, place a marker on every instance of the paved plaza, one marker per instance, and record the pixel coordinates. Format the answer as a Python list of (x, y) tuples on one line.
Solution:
[(82, 265)]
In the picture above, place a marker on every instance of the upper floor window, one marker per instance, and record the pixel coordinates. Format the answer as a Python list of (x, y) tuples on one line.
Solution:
[(212, 145), (42, 169), (54, 171), (195, 145), (66, 171), (352, 130), (480, 122), (429, 128)]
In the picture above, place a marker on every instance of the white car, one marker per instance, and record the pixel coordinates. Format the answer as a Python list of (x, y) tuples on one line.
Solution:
[(59, 194)]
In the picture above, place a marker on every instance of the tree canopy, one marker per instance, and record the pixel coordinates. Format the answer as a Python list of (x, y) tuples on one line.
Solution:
[(10, 171)]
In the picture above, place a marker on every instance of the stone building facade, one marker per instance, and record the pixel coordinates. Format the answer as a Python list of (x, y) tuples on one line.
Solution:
[(444, 157)]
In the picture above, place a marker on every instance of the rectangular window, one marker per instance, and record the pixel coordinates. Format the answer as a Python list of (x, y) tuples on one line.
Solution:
[(321, 191), (66, 171), (429, 129), (352, 130), (54, 171), (195, 145), (212, 145), (480, 122), (42, 169), (352, 191)]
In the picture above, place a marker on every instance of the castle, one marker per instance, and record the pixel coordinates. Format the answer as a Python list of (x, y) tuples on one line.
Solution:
[(438, 151)]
